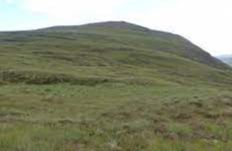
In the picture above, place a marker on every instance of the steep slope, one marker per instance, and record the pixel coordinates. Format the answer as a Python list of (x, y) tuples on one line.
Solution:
[(109, 51)]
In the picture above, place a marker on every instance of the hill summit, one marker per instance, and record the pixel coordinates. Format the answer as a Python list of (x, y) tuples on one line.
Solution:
[(162, 41)]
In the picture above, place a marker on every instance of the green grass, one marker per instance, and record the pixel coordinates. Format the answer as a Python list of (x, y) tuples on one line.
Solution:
[(111, 87), (114, 117)]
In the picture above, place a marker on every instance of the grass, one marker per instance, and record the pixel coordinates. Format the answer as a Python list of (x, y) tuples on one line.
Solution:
[(111, 87), (114, 117)]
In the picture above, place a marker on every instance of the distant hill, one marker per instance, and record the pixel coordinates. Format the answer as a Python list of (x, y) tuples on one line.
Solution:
[(112, 51), (227, 59)]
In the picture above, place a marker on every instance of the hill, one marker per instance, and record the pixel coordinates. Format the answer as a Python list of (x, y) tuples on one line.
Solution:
[(115, 51), (154, 40), (111, 86)]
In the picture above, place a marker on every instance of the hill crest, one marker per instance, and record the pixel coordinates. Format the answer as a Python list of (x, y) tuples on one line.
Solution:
[(121, 28)]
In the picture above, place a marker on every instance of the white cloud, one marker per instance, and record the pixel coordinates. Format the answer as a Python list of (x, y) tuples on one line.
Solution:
[(74, 10), (205, 22)]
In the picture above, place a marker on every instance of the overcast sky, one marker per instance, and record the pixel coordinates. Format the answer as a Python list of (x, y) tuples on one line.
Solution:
[(207, 23)]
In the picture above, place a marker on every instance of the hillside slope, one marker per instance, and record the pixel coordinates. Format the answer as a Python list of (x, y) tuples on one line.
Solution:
[(139, 36), (109, 51)]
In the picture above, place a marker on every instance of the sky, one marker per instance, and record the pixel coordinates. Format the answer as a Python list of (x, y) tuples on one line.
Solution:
[(207, 23)]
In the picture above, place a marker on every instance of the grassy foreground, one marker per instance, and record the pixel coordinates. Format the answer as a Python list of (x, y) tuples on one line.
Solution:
[(114, 116)]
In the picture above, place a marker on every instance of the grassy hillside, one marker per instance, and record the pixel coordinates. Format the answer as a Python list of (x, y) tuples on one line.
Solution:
[(111, 86)]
